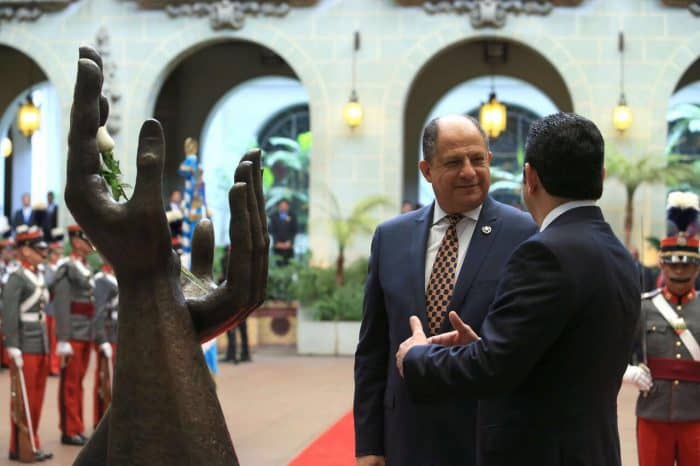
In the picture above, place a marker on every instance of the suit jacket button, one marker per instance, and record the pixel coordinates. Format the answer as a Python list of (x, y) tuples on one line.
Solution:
[(676, 382)]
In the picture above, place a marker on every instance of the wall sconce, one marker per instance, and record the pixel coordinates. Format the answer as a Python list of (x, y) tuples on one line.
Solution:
[(493, 115), (6, 145), (28, 117), (352, 110), (622, 114)]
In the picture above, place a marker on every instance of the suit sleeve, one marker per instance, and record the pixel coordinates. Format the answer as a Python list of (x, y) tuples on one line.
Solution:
[(61, 303), (102, 296), (529, 312), (11, 299), (371, 359)]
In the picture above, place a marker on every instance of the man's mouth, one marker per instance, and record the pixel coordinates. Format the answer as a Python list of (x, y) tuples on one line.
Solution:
[(679, 279)]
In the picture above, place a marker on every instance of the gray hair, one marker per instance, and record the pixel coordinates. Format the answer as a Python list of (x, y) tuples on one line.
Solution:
[(430, 135)]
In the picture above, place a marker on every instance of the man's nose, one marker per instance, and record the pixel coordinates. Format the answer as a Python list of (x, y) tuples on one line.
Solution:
[(467, 170)]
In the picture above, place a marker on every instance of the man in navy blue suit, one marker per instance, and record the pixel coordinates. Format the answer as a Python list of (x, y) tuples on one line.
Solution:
[(410, 274), (555, 343)]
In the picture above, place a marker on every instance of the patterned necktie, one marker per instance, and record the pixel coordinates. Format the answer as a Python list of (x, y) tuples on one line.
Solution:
[(442, 277)]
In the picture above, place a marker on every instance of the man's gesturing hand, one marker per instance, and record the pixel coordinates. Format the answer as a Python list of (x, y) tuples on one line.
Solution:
[(418, 338), (461, 335), (370, 460)]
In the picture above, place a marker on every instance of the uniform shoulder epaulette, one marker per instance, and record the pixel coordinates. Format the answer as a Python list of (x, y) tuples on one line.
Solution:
[(651, 294)]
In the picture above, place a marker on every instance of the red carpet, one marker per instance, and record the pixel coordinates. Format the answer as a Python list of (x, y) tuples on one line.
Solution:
[(334, 447)]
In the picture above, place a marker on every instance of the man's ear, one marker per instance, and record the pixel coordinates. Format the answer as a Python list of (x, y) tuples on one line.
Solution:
[(531, 180), (489, 156), (424, 168)]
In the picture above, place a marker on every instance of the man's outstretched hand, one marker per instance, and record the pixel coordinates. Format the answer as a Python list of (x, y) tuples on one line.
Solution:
[(417, 338), (461, 335)]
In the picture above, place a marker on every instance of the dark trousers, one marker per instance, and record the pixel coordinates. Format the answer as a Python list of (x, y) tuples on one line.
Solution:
[(231, 350), (282, 256)]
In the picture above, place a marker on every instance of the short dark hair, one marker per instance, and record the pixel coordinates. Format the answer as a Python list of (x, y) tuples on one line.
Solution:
[(567, 151), (430, 135)]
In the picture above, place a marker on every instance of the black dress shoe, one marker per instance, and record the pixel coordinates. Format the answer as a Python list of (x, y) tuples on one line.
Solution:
[(40, 455), (246, 358), (77, 440)]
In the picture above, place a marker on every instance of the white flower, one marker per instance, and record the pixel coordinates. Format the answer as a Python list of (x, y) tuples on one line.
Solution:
[(105, 143)]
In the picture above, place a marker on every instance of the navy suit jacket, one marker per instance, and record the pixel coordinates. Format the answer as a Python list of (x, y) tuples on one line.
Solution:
[(387, 422), (553, 350)]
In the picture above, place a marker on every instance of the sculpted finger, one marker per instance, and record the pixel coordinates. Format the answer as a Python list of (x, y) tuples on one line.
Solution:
[(239, 263), (83, 156), (149, 163), (104, 110), (203, 249), (261, 238), (88, 52)]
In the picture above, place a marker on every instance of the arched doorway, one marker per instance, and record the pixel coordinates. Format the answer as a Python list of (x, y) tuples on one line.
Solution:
[(683, 116), (34, 164), (472, 63), (226, 115)]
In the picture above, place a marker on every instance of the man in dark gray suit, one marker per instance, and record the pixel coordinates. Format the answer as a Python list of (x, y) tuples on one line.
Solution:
[(558, 336), (448, 255)]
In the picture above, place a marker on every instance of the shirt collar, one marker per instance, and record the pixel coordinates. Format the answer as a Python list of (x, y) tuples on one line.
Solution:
[(439, 214), (561, 209)]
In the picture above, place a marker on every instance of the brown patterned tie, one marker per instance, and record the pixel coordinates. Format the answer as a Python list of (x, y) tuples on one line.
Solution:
[(442, 277)]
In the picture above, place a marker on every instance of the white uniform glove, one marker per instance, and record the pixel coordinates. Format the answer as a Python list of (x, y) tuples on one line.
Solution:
[(16, 355), (638, 376), (63, 348), (106, 349)]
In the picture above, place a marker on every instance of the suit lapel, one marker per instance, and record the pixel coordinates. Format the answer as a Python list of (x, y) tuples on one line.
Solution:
[(419, 243), (485, 232)]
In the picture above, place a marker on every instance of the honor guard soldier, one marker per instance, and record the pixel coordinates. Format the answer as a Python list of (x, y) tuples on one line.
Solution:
[(26, 339), (75, 311), (6, 263), (53, 263), (106, 313), (668, 370)]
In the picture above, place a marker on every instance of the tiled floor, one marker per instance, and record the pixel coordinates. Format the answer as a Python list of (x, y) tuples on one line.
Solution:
[(274, 407)]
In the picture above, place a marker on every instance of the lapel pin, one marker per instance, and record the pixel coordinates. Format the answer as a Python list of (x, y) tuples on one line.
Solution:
[(486, 229)]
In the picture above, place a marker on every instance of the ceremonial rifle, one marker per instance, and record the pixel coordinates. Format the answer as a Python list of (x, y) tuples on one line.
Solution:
[(21, 416)]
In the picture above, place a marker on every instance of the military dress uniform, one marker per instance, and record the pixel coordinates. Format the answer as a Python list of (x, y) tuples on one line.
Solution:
[(50, 271), (24, 299), (668, 413), (671, 409), (74, 309), (107, 312), (6, 269)]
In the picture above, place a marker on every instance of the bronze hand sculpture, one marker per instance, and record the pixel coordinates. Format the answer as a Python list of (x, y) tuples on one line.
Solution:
[(164, 409)]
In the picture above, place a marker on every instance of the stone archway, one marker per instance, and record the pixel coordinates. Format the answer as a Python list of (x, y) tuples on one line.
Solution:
[(188, 93), (442, 72)]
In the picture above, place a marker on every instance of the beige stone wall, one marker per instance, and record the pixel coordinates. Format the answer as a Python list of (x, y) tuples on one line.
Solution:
[(397, 41)]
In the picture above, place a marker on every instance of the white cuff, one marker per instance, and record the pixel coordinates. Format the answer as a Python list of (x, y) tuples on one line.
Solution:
[(63, 348), (106, 349), (16, 355)]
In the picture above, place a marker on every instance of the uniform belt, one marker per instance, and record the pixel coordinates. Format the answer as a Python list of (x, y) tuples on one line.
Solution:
[(32, 316), (675, 369), (83, 309)]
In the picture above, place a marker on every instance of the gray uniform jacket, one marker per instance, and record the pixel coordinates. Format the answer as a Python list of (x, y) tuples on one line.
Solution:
[(668, 400), (24, 323), (73, 301), (50, 274), (106, 307)]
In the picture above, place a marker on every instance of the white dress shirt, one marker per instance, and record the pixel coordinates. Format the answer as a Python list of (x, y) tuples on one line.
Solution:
[(465, 230), (565, 207)]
